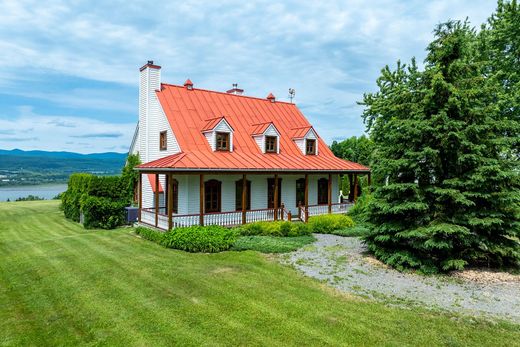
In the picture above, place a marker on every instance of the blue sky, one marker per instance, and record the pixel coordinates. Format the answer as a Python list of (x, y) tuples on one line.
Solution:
[(69, 70)]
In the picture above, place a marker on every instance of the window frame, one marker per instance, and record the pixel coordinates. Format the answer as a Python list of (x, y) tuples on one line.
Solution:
[(208, 187), (238, 195), (307, 141), (163, 140), (300, 183), (270, 192), (227, 136), (322, 184), (275, 146)]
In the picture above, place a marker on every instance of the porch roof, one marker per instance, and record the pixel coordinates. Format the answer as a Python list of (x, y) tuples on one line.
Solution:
[(226, 161)]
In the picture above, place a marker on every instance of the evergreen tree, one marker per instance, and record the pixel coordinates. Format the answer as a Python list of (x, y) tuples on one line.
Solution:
[(452, 198)]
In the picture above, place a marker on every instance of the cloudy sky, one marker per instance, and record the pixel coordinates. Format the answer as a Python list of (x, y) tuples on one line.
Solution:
[(69, 70)]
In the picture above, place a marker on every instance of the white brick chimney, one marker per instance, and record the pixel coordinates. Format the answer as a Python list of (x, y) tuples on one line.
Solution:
[(150, 81)]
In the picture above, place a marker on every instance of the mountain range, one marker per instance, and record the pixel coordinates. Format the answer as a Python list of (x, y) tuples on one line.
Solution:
[(18, 167)]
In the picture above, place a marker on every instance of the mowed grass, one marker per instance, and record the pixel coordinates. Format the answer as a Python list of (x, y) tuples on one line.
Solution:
[(63, 285)]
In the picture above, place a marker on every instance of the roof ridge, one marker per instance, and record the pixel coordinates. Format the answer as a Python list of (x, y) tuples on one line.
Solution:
[(225, 93)]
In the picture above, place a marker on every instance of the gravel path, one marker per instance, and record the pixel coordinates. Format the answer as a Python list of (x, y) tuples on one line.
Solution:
[(341, 262)]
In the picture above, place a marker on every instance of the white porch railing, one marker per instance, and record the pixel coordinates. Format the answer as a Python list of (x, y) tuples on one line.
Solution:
[(233, 218)]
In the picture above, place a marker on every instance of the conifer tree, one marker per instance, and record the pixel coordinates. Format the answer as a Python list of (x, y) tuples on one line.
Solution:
[(452, 197)]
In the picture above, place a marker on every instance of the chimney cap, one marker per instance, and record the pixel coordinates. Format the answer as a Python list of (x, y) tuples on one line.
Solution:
[(150, 65), (271, 97), (188, 84), (235, 90)]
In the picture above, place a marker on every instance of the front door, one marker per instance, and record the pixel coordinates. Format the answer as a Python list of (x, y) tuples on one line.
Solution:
[(212, 196)]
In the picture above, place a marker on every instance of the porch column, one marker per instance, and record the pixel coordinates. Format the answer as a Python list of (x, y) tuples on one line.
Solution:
[(330, 193), (156, 200), (351, 187), (306, 197), (244, 196), (170, 200), (140, 187), (201, 199), (355, 187), (276, 197)]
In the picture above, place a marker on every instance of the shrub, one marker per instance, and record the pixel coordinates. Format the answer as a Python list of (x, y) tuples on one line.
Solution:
[(278, 228), (197, 238), (328, 223), (102, 212), (150, 234)]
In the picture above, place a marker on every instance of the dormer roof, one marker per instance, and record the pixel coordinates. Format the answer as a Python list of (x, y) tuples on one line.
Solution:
[(212, 123), (301, 132), (260, 128)]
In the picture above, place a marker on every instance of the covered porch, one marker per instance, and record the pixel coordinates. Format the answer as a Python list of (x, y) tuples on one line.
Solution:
[(169, 199)]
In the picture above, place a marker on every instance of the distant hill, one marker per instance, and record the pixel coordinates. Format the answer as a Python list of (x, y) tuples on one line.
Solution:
[(35, 167), (22, 153)]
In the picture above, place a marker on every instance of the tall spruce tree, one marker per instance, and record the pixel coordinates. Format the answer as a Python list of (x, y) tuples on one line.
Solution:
[(452, 199)]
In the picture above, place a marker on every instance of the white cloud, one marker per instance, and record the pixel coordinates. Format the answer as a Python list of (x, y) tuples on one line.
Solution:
[(329, 50)]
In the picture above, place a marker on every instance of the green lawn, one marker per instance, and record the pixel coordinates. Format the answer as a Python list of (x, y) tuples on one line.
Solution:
[(63, 285)]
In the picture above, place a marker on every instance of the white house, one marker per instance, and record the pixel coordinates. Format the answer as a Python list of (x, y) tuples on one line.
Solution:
[(224, 158)]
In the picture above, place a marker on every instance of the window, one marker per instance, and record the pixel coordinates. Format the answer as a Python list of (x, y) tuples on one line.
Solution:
[(212, 196), (323, 191), (238, 195), (310, 147), (163, 141), (270, 192), (300, 192), (222, 142), (175, 205), (271, 144)]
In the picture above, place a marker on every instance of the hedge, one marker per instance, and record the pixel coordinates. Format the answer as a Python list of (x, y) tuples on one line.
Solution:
[(102, 212), (278, 228), (207, 239), (101, 199)]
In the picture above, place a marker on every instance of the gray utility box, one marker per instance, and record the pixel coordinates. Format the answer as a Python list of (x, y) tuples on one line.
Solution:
[(131, 214)]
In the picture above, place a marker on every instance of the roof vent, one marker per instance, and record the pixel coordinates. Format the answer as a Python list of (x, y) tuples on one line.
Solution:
[(271, 97), (235, 90), (188, 84), (150, 62)]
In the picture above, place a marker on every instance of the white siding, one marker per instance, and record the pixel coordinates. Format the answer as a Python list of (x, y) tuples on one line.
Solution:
[(260, 141), (210, 137), (152, 119)]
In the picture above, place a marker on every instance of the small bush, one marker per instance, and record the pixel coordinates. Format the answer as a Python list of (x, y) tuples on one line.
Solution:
[(328, 223), (197, 238), (150, 234), (278, 228)]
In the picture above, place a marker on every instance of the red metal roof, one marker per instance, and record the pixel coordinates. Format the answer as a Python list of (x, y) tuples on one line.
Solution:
[(189, 112), (151, 179)]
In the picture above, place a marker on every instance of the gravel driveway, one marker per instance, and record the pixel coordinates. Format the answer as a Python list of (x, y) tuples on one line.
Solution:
[(341, 262)]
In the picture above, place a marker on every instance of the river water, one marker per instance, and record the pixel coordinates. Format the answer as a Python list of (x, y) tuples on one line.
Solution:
[(46, 191)]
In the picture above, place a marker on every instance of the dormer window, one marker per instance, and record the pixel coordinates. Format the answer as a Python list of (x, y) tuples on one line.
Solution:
[(222, 141), (163, 141), (310, 147), (306, 139), (267, 137), (271, 144), (219, 134)]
